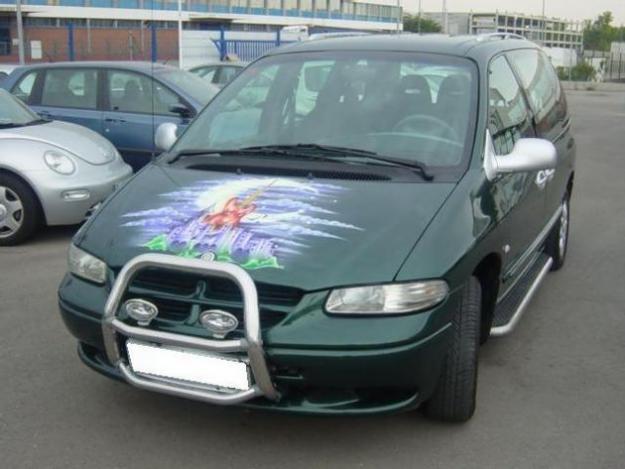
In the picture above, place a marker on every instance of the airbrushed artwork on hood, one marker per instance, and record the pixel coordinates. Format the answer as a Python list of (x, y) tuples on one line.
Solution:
[(253, 222)]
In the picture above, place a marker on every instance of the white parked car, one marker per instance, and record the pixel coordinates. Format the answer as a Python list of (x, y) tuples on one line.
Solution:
[(51, 172)]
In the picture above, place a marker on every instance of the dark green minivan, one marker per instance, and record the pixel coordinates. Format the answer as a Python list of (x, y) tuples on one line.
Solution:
[(337, 232)]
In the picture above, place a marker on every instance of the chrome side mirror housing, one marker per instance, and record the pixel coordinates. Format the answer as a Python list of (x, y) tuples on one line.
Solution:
[(528, 154), (165, 136)]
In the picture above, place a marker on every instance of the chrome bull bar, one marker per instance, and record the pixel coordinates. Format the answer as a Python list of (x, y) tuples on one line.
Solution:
[(251, 343)]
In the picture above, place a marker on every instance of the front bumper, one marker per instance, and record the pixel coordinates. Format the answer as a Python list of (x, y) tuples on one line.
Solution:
[(97, 183), (360, 376)]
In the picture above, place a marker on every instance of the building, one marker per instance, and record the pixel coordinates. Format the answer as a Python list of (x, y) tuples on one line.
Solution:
[(131, 29), (549, 32)]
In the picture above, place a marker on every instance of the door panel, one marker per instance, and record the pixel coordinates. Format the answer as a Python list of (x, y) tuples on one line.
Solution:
[(551, 118), (136, 106), (520, 200)]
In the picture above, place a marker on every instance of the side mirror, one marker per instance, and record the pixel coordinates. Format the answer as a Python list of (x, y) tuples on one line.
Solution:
[(528, 154), (165, 136), (182, 110)]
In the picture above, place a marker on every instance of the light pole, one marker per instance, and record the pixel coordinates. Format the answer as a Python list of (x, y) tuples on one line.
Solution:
[(543, 35), (419, 24), (399, 16), (180, 60), (445, 19), (20, 31)]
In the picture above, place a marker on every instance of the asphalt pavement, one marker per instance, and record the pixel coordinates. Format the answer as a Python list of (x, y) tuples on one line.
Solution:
[(550, 395)]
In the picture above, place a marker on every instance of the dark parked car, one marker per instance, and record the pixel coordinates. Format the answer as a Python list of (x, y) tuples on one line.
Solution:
[(343, 242), (220, 73), (123, 101)]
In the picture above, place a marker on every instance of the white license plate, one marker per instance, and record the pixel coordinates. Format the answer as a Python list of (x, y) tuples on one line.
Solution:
[(192, 366)]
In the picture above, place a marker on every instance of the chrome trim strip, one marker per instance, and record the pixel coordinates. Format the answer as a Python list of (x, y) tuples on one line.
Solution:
[(252, 344), (516, 317)]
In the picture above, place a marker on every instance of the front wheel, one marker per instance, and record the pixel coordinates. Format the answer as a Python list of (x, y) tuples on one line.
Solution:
[(19, 212), (454, 398), (558, 240)]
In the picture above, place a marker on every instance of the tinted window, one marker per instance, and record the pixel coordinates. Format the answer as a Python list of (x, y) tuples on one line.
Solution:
[(24, 88), (539, 78), (508, 115), (191, 85), (137, 93), (207, 73), (3, 76), (13, 112), (380, 102), (70, 88)]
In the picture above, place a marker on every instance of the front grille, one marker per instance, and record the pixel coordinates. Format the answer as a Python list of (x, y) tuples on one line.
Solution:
[(180, 298)]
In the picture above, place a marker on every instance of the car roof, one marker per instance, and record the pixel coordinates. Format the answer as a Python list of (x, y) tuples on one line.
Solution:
[(477, 47), (135, 66)]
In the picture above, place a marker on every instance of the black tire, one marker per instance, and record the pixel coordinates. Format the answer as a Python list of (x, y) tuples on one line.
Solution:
[(553, 245), (454, 398), (25, 221)]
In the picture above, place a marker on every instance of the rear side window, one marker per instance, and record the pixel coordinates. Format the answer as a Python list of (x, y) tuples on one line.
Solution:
[(24, 88), (74, 88), (508, 114), (539, 79)]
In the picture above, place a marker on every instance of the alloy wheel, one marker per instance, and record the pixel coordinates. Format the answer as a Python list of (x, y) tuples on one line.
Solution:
[(11, 212)]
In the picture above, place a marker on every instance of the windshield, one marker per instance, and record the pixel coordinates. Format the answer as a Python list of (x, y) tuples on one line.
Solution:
[(200, 90), (13, 112), (414, 106)]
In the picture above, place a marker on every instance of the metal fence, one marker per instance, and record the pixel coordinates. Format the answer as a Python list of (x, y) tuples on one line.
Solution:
[(614, 68), (247, 50)]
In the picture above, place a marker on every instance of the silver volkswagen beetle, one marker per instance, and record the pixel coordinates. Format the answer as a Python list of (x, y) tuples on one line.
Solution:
[(51, 172)]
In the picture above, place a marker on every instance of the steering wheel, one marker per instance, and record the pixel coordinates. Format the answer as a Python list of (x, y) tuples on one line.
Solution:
[(417, 121)]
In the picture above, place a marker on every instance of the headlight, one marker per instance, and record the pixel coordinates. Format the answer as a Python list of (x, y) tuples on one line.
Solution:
[(86, 266), (394, 298), (59, 162)]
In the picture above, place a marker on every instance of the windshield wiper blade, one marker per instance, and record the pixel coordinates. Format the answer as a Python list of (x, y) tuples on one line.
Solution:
[(338, 151), (259, 151)]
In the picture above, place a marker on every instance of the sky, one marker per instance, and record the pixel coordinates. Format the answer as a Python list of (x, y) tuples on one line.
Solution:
[(569, 9)]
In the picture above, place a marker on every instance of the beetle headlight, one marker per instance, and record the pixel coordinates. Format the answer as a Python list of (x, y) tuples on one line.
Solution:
[(59, 162), (394, 298), (86, 266)]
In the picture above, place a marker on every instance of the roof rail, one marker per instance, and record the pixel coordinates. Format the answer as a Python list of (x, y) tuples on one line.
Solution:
[(489, 36)]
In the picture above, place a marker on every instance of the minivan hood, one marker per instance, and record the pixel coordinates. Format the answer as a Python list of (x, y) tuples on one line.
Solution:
[(75, 139), (306, 233)]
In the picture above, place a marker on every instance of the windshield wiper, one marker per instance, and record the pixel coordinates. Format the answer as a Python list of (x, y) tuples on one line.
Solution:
[(269, 150), (310, 151), (346, 152)]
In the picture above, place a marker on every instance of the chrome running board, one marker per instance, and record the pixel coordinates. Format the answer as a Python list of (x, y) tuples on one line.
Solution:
[(509, 310)]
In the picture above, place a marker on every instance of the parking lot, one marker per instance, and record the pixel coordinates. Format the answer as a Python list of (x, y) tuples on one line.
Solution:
[(550, 395)]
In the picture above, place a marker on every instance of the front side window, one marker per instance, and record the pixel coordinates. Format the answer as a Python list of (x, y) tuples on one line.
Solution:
[(137, 93), (408, 105), (508, 115), (539, 79), (74, 88), (227, 75)]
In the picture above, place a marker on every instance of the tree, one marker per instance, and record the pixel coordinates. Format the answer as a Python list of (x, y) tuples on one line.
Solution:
[(411, 24), (599, 34)]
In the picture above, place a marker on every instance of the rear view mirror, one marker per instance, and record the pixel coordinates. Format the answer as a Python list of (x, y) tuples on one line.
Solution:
[(165, 136), (182, 110), (528, 154)]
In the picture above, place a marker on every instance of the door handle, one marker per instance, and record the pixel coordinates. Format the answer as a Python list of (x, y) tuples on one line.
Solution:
[(113, 120)]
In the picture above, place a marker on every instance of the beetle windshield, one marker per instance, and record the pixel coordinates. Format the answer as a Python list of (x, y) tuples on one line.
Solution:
[(199, 89), (13, 113), (405, 105)]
